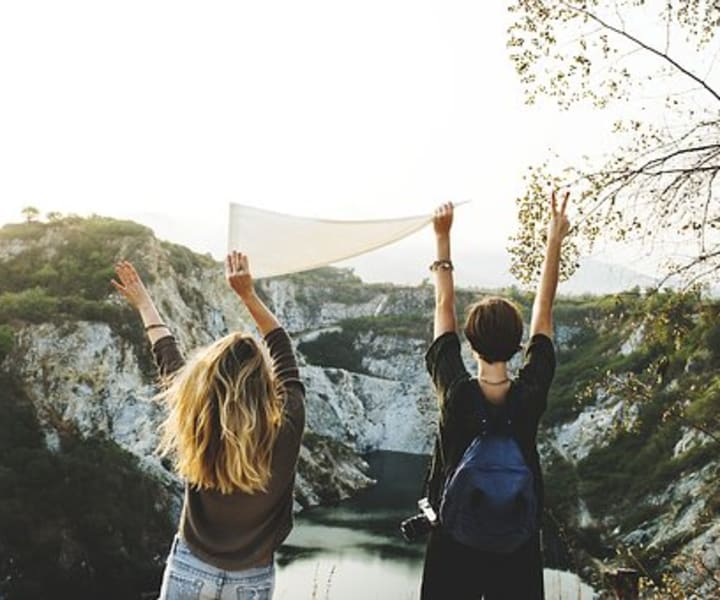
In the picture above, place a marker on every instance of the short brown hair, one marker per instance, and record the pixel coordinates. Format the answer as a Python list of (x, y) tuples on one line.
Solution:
[(494, 328)]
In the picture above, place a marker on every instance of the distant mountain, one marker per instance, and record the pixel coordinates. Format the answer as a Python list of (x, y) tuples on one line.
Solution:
[(492, 270)]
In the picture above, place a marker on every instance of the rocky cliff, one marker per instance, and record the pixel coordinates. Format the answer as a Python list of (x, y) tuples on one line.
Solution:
[(629, 441)]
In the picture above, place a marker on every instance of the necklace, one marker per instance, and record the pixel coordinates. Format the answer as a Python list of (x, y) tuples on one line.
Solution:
[(494, 382)]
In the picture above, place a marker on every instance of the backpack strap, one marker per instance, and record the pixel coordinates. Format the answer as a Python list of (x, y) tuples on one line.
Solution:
[(502, 419), (486, 424), (436, 471)]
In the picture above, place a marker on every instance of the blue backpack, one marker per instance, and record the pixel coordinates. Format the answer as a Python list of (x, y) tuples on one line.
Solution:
[(489, 501)]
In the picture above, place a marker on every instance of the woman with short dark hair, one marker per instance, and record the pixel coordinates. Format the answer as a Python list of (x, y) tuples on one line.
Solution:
[(485, 481)]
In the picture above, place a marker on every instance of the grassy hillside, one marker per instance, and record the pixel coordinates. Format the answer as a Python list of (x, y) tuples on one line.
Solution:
[(60, 272)]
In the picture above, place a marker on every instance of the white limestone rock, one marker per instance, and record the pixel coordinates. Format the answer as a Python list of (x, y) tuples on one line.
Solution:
[(82, 377), (691, 438), (595, 427), (369, 413), (633, 342)]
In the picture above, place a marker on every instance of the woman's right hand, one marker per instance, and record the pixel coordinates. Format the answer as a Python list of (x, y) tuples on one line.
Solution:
[(443, 219), (237, 273), (131, 286)]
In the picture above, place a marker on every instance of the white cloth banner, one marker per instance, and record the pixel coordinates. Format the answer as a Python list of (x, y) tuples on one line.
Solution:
[(278, 244)]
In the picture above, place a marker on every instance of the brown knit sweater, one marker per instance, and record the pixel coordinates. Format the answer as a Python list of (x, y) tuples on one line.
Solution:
[(239, 530)]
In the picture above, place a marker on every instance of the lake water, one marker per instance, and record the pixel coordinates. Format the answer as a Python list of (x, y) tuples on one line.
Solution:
[(354, 551)]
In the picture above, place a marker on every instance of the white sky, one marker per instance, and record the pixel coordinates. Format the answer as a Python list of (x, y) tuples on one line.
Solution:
[(166, 111)]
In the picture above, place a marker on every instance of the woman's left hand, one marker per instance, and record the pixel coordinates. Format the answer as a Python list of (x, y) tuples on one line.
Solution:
[(131, 286)]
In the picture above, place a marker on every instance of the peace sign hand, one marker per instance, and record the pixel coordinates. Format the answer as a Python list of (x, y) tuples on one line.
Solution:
[(237, 273), (559, 225)]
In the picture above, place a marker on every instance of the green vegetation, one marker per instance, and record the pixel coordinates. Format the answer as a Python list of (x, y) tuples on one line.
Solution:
[(633, 465), (76, 257), (342, 349), (576, 54), (561, 486), (712, 339), (7, 341), (65, 503), (334, 349), (703, 410), (412, 325), (60, 518), (63, 274), (184, 261), (325, 276), (22, 231), (671, 377)]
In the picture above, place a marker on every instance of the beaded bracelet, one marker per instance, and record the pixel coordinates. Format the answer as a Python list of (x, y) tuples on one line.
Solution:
[(444, 265)]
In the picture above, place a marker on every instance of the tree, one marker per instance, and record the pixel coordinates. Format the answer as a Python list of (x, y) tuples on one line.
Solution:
[(53, 216), (659, 186), (30, 213)]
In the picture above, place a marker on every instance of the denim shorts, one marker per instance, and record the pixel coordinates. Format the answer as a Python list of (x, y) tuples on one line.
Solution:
[(187, 577)]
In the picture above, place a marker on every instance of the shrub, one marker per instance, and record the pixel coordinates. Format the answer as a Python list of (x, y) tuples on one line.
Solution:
[(67, 502), (33, 305), (80, 264), (333, 349), (406, 325), (7, 341), (184, 261), (712, 340)]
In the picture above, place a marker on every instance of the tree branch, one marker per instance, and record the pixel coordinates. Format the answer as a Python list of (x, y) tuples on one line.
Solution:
[(702, 275), (642, 44), (687, 171), (654, 162), (689, 266), (706, 209), (702, 429), (619, 14), (667, 27)]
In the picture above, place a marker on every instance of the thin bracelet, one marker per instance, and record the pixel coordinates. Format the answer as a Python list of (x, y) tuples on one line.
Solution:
[(155, 325), (445, 265)]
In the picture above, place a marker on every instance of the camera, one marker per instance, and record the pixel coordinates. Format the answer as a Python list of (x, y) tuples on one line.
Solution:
[(418, 526)]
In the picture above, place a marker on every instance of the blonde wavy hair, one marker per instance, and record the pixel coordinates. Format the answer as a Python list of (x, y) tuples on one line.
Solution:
[(225, 412)]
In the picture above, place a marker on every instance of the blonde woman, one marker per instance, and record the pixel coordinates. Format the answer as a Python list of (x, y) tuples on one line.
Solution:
[(235, 419)]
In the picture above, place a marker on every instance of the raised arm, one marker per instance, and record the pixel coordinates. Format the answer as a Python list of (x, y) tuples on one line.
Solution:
[(132, 288), (168, 357), (237, 273), (442, 268), (542, 321)]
